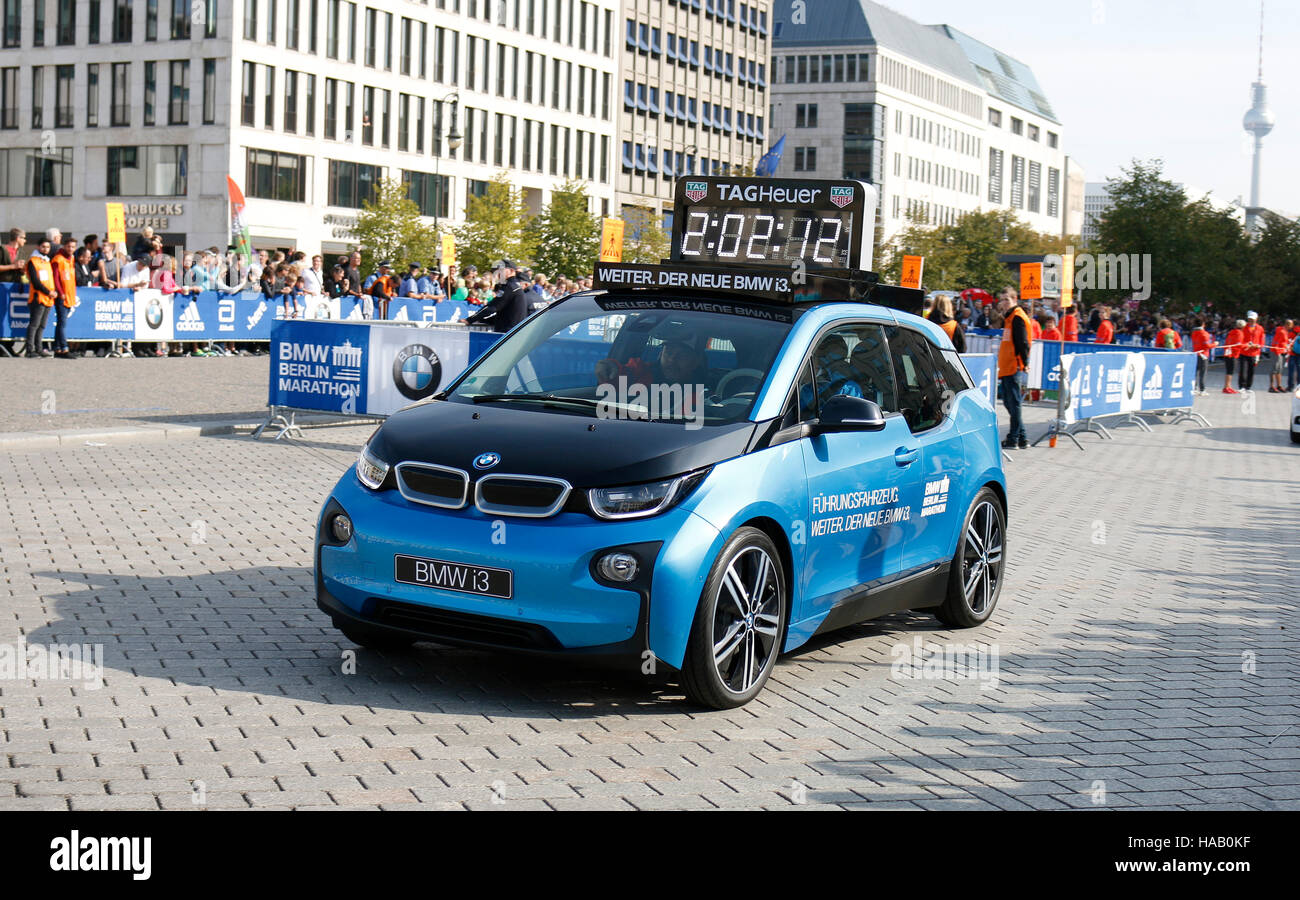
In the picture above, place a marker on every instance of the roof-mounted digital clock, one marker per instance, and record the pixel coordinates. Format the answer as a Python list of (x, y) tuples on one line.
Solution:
[(774, 221)]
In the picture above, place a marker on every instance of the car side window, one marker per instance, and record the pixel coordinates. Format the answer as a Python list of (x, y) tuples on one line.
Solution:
[(853, 360), (920, 385), (952, 370)]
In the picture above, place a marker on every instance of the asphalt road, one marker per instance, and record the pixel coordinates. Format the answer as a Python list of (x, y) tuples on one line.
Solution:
[(1146, 640)]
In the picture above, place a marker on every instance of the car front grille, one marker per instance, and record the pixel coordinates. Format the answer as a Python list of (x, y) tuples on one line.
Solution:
[(459, 626), (433, 485), (532, 496)]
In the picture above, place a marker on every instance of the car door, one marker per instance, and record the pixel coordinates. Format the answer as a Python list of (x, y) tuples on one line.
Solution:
[(926, 403), (861, 484)]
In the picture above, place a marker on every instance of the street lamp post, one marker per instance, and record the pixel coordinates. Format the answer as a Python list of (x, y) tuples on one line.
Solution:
[(454, 140)]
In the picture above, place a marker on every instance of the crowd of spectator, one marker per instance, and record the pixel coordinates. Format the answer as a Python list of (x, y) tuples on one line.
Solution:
[(55, 266)]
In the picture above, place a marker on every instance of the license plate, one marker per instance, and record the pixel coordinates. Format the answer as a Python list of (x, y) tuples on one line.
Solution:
[(454, 576)]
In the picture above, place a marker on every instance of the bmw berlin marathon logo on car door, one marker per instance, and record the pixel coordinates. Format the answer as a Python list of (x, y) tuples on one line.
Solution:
[(417, 372)]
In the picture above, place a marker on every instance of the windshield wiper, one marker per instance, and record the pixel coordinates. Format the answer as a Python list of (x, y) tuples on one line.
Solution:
[(546, 399)]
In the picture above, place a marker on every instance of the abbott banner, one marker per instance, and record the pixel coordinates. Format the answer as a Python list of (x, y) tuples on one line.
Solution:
[(1110, 383), (365, 369)]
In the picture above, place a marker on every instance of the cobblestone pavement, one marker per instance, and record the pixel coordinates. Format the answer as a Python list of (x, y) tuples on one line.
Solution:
[(44, 394), (1147, 639)]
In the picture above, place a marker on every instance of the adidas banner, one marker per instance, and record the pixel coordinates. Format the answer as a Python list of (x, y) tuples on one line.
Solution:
[(360, 368), (1105, 384)]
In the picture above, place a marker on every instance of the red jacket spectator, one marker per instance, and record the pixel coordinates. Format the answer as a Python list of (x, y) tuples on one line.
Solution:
[(1167, 338), (1105, 332), (1052, 334), (1070, 325), (1255, 340), (1202, 342), (1232, 344), (1281, 340)]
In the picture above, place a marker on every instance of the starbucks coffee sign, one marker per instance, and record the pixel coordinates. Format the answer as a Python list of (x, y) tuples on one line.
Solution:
[(155, 215)]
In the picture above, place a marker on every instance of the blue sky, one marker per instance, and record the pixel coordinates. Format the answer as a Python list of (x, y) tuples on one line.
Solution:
[(1166, 79)]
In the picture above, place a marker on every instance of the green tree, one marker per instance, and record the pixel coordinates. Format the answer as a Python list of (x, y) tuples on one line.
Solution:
[(1274, 287), (495, 226), (644, 237), (390, 227), (965, 254), (566, 234)]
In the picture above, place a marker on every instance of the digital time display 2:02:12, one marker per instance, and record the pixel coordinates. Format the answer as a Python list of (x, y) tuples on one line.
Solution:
[(733, 234)]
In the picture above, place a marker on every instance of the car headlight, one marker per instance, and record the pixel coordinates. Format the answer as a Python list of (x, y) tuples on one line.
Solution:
[(371, 470), (634, 501)]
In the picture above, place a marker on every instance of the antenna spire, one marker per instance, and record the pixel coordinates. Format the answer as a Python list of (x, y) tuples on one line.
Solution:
[(1260, 77)]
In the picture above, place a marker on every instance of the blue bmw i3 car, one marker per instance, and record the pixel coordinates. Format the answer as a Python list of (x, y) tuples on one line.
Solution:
[(704, 478)]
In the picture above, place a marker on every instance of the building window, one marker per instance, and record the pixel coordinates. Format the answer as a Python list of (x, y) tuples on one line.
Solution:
[(63, 80), (368, 116), (250, 20), (352, 184), (180, 20), (65, 25), (403, 122), (805, 159), (419, 124), (292, 14), (268, 106), (805, 115), (1035, 186), (178, 110), (210, 19), (1033, 132), (248, 96), (1017, 126), (276, 176), (270, 21), (209, 91), (995, 117), (38, 23), (36, 173), (150, 91), (313, 22), (9, 97), (13, 23), (290, 101), (122, 21), (1018, 182), (92, 95), (429, 192), (38, 96), (995, 176), (120, 107), (148, 171), (309, 98), (372, 26), (331, 108), (1053, 139), (1053, 191), (332, 30), (349, 104), (384, 129)]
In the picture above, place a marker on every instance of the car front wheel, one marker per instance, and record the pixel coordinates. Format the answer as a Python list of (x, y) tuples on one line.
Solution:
[(739, 625), (975, 578)]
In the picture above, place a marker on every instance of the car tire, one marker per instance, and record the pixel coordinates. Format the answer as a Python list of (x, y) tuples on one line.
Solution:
[(374, 639), (1295, 437), (742, 609), (976, 574)]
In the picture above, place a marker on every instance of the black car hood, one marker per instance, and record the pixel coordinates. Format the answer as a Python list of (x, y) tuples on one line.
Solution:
[(585, 451)]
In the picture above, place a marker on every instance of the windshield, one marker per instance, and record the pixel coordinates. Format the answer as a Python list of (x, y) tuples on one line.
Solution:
[(702, 362)]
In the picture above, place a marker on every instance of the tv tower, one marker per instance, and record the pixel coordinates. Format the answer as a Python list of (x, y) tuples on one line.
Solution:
[(1258, 122)]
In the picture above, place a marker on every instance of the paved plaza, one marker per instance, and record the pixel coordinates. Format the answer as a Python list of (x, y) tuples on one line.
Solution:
[(1146, 646)]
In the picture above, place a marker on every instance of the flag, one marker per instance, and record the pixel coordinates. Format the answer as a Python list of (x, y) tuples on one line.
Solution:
[(238, 228), (769, 161)]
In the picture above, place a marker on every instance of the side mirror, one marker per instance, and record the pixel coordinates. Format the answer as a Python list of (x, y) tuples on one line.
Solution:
[(845, 413)]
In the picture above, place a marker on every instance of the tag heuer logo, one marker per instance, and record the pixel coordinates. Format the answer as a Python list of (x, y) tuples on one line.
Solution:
[(696, 191), (841, 196)]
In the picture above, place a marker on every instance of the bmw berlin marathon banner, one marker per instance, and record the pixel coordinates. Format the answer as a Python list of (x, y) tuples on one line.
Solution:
[(1112, 383), (365, 369)]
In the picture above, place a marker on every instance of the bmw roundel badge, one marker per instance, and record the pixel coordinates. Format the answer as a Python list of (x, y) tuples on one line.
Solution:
[(486, 460), (417, 371), (153, 313)]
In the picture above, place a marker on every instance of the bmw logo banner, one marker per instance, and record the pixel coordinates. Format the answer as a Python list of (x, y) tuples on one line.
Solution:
[(1113, 382), (364, 368)]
